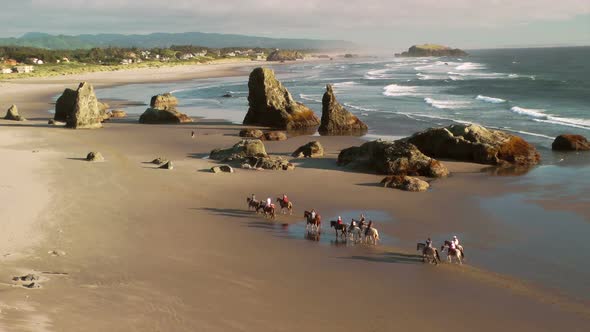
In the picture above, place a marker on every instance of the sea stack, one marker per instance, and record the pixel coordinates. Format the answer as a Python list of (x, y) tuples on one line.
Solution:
[(431, 50), (79, 109), (271, 104), (336, 119), (162, 110)]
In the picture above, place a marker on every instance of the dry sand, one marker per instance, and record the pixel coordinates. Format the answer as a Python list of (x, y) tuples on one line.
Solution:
[(142, 249)]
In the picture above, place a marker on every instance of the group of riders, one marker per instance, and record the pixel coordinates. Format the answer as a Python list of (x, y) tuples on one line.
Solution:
[(453, 246)]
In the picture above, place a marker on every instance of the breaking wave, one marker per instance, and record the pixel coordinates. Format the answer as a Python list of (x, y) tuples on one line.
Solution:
[(490, 99)]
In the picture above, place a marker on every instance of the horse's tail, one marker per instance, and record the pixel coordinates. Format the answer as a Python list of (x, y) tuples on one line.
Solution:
[(437, 255)]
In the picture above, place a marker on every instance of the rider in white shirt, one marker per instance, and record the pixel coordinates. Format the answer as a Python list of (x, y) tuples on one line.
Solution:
[(313, 214), (268, 202)]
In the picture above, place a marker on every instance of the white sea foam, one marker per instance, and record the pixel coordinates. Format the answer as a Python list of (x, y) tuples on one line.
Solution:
[(314, 98), (359, 108), (470, 66), (492, 100), (372, 137), (394, 90), (534, 113), (378, 74), (513, 75), (344, 84), (539, 116), (445, 104)]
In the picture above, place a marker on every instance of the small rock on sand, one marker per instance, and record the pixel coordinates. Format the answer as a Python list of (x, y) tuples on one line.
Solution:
[(222, 169), (94, 157), (159, 161), (167, 165)]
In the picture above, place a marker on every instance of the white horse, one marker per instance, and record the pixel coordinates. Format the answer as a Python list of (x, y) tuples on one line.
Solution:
[(452, 253), (372, 236), (354, 233)]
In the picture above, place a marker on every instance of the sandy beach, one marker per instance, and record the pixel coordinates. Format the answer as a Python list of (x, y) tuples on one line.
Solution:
[(123, 246)]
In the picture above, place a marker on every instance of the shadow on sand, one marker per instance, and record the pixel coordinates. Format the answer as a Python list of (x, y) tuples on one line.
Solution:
[(389, 257)]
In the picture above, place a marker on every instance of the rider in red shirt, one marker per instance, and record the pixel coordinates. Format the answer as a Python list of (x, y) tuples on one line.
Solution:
[(285, 199), (339, 221)]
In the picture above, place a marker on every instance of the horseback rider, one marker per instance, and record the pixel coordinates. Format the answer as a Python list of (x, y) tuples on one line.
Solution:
[(253, 198), (339, 221), (427, 246), (313, 214), (268, 203), (285, 199)]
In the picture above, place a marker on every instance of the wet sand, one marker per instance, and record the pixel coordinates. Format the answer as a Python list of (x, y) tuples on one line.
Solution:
[(142, 249)]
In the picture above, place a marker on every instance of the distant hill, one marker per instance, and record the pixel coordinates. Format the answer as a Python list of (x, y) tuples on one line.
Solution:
[(431, 50), (211, 40)]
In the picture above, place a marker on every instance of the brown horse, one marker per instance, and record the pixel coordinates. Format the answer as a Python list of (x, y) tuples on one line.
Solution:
[(269, 212), (339, 227), (452, 253), (313, 223), (429, 254), (252, 204), (288, 205)]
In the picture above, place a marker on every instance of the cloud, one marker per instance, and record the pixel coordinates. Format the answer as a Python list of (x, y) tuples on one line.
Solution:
[(344, 19)]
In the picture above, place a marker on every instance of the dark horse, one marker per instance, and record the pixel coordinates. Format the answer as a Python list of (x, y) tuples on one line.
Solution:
[(253, 204), (288, 205), (317, 222), (339, 227)]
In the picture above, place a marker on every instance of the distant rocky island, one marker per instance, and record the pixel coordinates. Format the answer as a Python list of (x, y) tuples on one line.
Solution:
[(431, 50)]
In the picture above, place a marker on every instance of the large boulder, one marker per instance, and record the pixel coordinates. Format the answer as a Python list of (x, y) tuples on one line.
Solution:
[(80, 109), (407, 183), (272, 163), (310, 150), (393, 158), (271, 104), (12, 114), (103, 109), (474, 143), (244, 149), (336, 119), (570, 143), (162, 110)]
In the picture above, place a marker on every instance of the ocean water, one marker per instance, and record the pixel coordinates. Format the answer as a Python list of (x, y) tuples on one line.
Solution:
[(535, 93)]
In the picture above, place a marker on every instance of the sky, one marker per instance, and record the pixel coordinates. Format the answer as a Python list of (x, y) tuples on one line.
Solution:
[(389, 24)]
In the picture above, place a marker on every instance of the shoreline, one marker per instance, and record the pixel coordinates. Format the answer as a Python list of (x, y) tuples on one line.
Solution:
[(130, 231)]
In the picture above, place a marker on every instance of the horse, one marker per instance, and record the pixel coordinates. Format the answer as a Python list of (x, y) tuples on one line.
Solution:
[(317, 222), (429, 254), (339, 227), (268, 211), (456, 253), (372, 235), (288, 205), (252, 204), (354, 233)]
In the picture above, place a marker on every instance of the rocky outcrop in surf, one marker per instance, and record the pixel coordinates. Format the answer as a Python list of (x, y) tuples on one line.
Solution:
[(271, 104), (310, 150), (474, 143), (393, 158), (431, 50), (569, 142), (337, 120), (162, 110), (12, 114), (282, 55)]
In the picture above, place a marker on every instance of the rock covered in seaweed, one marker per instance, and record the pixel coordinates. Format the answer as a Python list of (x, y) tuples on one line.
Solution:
[(474, 143), (271, 104), (251, 153), (336, 119), (393, 158), (569, 142)]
